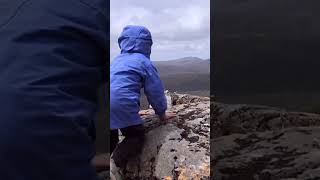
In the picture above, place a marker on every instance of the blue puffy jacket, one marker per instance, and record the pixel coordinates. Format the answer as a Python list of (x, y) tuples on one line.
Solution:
[(131, 71), (53, 56)]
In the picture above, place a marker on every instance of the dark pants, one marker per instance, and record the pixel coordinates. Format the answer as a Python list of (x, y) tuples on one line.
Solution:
[(130, 146)]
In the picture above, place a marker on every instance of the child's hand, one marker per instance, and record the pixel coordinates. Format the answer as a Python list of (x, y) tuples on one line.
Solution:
[(167, 115), (145, 112)]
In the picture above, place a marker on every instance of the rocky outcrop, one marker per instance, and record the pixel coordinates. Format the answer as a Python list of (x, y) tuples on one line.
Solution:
[(178, 149), (264, 143), (101, 164)]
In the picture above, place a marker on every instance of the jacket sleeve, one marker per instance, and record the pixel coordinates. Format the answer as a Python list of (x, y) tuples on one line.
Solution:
[(98, 31), (153, 88)]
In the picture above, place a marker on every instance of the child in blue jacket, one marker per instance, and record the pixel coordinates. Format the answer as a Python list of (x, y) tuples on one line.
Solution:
[(131, 71), (53, 57)]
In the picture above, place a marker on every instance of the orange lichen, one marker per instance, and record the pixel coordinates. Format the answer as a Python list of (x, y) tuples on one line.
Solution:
[(205, 169), (192, 172)]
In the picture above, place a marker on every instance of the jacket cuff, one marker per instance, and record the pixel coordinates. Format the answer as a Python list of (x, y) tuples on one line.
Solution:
[(160, 112)]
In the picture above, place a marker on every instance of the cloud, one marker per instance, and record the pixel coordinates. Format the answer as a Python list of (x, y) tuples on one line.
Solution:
[(179, 28)]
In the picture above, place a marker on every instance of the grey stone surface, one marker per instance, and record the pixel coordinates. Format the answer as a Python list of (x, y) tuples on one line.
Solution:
[(178, 149), (262, 143)]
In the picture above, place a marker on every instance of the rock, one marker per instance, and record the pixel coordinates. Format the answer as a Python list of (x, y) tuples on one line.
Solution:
[(168, 97), (101, 164), (178, 149), (258, 142)]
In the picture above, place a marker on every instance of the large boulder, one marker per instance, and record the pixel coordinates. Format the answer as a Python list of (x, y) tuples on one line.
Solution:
[(178, 149), (262, 143)]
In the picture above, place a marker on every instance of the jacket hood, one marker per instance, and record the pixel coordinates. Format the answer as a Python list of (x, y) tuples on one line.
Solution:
[(135, 39)]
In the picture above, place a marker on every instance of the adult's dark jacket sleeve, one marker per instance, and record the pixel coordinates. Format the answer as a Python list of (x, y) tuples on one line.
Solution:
[(53, 56)]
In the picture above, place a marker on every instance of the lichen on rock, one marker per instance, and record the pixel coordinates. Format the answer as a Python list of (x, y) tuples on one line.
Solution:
[(258, 142), (179, 148)]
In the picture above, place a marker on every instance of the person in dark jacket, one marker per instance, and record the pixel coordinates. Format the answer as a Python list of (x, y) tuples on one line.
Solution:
[(131, 71), (53, 58)]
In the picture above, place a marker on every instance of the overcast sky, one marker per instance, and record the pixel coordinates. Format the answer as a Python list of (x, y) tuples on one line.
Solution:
[(179, 28)]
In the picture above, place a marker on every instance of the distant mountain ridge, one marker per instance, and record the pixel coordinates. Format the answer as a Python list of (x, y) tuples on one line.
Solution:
[(189, 75), (185, 74), (183, 65)]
